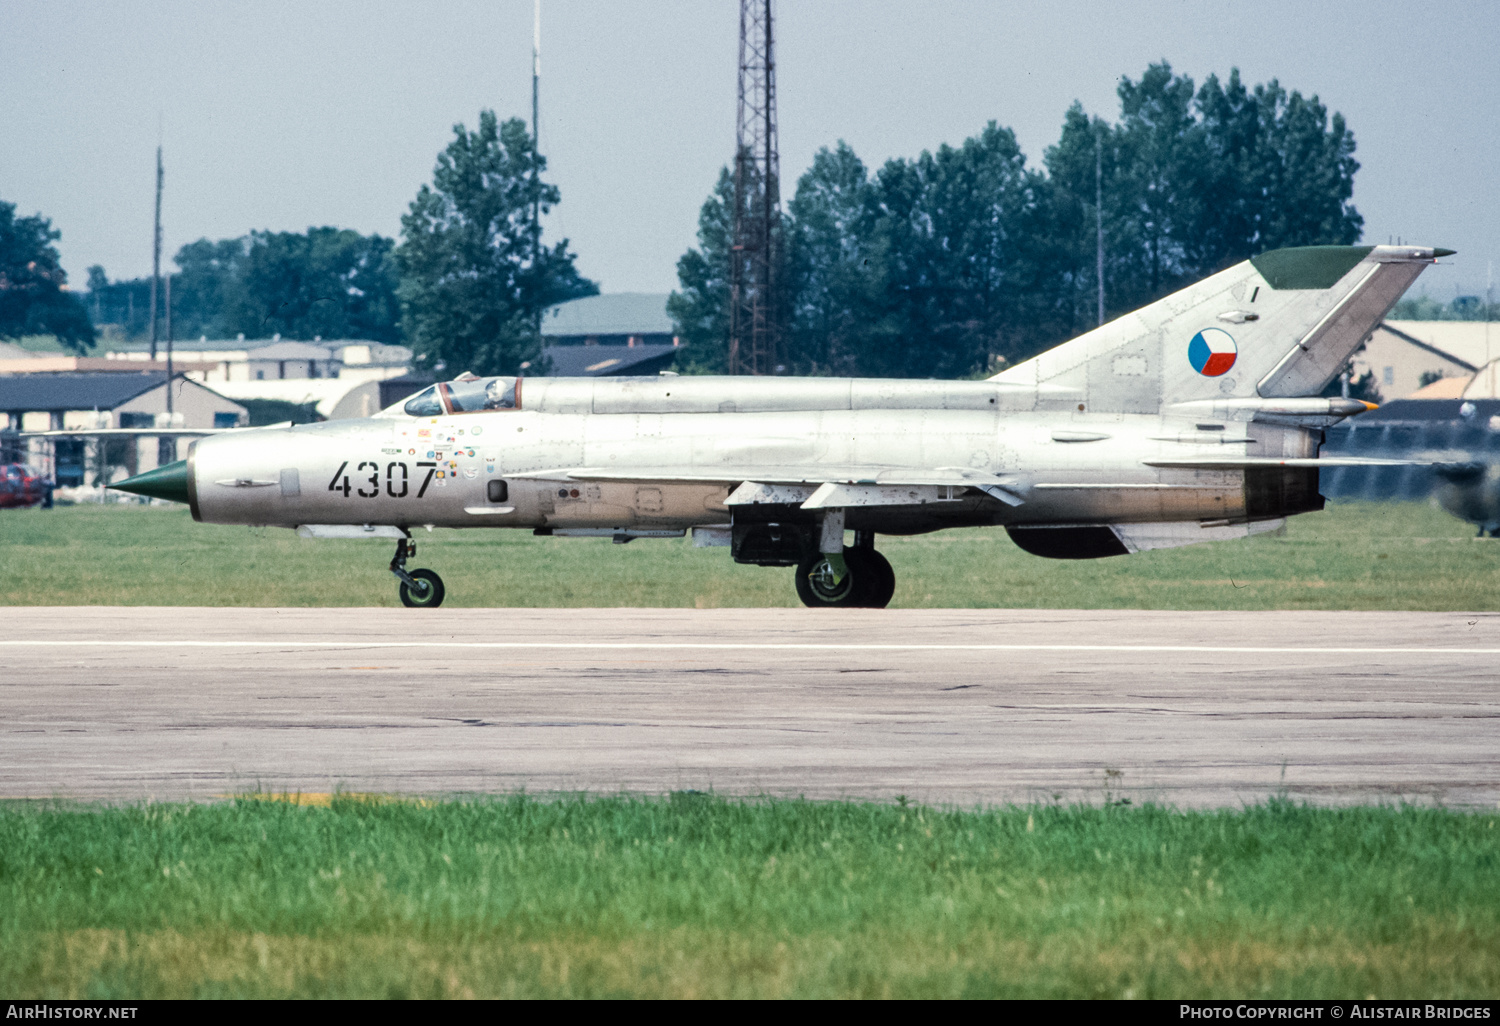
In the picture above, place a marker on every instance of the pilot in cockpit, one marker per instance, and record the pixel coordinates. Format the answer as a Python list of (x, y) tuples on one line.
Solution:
[(499, 397)]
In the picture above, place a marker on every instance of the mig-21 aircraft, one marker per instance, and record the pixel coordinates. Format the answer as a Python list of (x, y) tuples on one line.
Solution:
[(1196, 418)]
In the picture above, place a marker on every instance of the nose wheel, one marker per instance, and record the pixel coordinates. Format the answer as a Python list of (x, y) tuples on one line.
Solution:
[(419, 589)]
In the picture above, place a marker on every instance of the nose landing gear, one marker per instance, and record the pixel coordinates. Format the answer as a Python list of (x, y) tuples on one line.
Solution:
[(420, 589)]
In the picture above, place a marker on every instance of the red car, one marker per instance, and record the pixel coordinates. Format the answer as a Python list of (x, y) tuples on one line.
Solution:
[(23, 485)]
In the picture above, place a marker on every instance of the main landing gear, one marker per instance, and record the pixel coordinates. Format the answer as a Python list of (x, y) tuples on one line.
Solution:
[(859, 576), (420, 589)]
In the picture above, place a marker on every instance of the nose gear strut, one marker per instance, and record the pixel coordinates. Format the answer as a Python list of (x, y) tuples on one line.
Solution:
[(419, 589)]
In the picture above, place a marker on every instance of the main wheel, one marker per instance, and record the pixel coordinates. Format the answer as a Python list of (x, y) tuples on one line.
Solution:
[(817, 587), (430, 595), (874, 580), (869, 583)]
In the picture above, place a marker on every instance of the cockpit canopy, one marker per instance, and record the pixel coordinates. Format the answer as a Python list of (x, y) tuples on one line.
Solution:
[(466, 395)]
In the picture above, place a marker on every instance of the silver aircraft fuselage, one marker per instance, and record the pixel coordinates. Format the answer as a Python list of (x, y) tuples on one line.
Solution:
[(620, 455)]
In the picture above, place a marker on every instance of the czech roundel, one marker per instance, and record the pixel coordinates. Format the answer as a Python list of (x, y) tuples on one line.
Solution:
[(1212, 352)]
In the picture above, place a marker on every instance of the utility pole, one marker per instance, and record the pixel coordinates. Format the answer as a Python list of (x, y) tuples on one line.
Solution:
[(536, 154), (156, 253), (1099, 217), (754, 331), (169, 342), (1489, 315)]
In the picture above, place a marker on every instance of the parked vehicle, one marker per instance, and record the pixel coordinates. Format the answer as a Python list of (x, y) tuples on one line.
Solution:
[(23, 485)]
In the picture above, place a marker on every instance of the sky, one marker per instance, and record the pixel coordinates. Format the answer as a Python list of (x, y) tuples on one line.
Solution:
[(282, 116)]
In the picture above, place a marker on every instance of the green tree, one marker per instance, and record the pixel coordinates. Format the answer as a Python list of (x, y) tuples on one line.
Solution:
[(1281, 167), (208, 275), (921, 270), (1198, 179), (960, 241), (834, 265), (329, 283), (120, 308), (700, 309), (474, 277), (942, 265), (325, 283), (33, 286), (1461, 308)]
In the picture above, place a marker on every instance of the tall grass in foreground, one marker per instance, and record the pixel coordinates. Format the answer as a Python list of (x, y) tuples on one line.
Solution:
[(697, 896)]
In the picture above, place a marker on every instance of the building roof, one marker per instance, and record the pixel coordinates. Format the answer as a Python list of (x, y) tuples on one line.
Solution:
[(292, 351), (1442, 388), (34, 364), (608, 361), (229, 345), (325, 392), (86, 391), (1485, 384), (620, 313), (1412, 409)]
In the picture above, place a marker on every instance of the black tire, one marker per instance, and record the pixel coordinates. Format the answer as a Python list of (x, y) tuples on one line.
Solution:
[(874, 579), (869, 584), (814, 590), (431, 598)]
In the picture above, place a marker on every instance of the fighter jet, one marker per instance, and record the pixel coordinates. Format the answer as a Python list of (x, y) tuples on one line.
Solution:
[(1452, 447), (1471, 491), (1193, 419)]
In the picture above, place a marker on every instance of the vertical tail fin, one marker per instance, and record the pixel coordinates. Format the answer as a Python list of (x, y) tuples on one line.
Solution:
[(1281, 324)]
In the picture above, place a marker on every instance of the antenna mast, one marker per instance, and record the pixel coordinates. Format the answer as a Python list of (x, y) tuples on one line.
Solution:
[(754, 333), (156, 254), (1099, 217)]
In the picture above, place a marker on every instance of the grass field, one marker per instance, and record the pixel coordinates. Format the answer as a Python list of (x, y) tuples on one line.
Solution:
[(1356, 556), (693, 896)]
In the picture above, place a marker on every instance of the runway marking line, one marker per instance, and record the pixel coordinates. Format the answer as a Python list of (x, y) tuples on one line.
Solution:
[(715, 646)]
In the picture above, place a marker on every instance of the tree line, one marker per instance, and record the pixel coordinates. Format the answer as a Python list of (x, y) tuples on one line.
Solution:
[(465, 286), (322, 283), (949, 264), (962, 259)]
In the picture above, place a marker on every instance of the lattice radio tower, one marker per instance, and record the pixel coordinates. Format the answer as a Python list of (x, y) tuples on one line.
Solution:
[(754, 329)]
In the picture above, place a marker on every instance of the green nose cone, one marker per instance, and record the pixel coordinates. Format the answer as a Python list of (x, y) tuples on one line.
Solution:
[(169, 482)]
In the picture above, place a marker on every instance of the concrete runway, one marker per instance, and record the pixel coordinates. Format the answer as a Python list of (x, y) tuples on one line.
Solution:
[(946, 706)]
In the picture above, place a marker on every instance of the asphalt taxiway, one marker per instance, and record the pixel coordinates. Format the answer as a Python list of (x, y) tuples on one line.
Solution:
[(944, 706)]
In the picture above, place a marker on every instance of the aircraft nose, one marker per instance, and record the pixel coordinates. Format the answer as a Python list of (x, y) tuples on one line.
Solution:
[(169, 482)]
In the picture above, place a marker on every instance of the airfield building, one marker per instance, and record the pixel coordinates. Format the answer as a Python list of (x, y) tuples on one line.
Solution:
[(1427, 359), (624, 334), (103, 399)]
